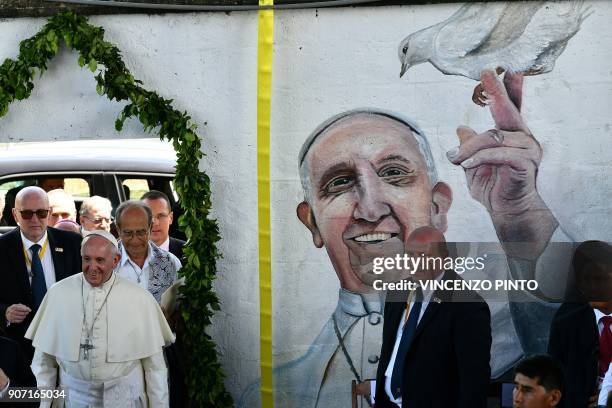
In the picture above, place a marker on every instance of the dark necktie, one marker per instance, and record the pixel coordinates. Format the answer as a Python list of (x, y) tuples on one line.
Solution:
[(402, 351), (39, 285)]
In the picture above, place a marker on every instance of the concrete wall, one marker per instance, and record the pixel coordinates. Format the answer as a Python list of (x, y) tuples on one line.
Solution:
[(325, 61)]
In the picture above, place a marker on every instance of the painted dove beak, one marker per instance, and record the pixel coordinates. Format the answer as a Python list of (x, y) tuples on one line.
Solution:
[(404, 69)]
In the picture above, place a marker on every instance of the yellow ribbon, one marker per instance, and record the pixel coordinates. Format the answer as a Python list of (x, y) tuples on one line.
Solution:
[(41, 254), (264, 91)]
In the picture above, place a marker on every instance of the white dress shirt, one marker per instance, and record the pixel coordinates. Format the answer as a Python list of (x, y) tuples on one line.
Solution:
[(140, 276), (166, 245), (598, 315), (47, 259)]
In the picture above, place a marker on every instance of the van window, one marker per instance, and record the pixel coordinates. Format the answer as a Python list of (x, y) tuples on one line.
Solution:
[(77, 187), (135, 188)]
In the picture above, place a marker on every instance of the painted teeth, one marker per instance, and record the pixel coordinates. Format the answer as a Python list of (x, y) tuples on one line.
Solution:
[(380, 236)]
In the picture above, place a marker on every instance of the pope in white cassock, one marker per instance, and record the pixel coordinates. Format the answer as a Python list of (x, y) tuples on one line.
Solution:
[(100, 337)]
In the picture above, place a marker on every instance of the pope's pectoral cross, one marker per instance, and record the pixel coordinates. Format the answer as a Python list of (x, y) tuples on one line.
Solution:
[(86, 347)]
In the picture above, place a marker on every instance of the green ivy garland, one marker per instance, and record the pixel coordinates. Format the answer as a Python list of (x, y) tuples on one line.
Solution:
[(204, 374)]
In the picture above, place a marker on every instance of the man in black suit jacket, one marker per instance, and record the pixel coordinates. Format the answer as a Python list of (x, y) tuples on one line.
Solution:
[(162, 219), (576, 328), (574, 341), (13, 365), (59, 254), (447, 362)]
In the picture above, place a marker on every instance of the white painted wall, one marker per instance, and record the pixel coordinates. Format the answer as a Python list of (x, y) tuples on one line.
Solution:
[(325, 61)]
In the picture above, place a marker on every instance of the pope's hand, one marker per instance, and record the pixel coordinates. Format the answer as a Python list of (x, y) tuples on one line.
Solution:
[(501, 167), (500, 164), (17, 313)]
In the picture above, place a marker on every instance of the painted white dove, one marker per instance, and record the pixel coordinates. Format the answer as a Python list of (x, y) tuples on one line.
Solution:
[(521, 37)]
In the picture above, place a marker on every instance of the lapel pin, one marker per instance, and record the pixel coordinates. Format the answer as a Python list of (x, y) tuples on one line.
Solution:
[(58, 249)]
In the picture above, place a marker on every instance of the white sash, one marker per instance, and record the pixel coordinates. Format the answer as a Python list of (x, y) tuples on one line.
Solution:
[(124, 391)]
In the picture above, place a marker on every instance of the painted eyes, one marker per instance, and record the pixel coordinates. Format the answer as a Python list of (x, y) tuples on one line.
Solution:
[(339, 184), (397, 176), (405, 49), (394, 175)]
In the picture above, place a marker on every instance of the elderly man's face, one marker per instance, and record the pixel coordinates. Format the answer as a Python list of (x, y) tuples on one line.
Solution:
[(528, 393), (31, 211), (61, 209), (134, 231), (98, 260), (96, 219), (370, 190)]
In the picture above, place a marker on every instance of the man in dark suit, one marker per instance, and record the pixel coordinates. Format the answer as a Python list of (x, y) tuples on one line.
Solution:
[(14, 370), (162, 219), (580, 333), (436, 346), (34, 257)]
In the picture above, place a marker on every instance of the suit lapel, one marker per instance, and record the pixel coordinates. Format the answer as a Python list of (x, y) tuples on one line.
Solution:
[(430, 312), (57, 255), (19, 262), (435, 302)]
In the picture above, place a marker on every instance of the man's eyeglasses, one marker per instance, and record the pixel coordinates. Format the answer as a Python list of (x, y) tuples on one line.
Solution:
[(130, 234), (28, 214), (160, 216), (99, 220)]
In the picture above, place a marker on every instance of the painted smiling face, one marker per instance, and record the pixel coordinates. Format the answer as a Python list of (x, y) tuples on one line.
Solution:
[(370, 190)]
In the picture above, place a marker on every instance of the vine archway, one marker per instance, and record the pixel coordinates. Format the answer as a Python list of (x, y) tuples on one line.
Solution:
[(204, 375)]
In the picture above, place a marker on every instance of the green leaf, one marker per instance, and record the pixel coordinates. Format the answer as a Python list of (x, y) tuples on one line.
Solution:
[(20, 92), (93, 65), (100, 89), (81, 61)]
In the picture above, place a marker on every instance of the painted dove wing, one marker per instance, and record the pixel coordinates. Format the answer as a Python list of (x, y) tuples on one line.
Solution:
[(467, 29), (546, 37)]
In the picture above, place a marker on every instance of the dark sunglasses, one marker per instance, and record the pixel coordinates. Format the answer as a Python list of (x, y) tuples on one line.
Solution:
[(28, 214)]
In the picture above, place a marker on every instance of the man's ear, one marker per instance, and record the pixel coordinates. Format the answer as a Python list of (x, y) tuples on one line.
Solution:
[(555, 397), (441, 200), (304, 213)]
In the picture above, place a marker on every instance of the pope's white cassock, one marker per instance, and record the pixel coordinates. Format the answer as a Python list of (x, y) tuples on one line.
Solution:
[(111, 358)]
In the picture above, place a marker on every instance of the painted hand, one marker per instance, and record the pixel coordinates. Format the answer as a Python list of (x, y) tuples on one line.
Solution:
[(501, 166)]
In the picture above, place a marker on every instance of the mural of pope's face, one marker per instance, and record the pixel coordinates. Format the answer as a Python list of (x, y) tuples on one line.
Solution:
[(369, 189)]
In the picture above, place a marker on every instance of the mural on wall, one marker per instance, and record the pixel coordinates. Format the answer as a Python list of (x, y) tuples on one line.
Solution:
[(369, 180)]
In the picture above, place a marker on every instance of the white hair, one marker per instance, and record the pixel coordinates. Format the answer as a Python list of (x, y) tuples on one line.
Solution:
[(95, 202), (418, 134), (58, 195)]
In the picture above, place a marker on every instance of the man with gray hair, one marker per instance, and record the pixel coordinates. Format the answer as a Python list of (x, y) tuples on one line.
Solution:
[(95, 213), (143, 262), (100, 336), (61, 206)]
